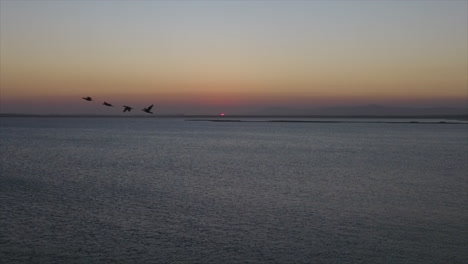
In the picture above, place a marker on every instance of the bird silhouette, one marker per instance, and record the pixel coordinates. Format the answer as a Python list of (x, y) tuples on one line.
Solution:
[(148, 109), (127, 108)]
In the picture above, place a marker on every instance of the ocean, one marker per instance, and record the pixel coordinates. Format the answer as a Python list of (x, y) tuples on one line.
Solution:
[(162, 190)]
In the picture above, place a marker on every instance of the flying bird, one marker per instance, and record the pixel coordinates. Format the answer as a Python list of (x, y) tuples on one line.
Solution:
[(107, 104), (88, 98), (148, 109), (127, 108)]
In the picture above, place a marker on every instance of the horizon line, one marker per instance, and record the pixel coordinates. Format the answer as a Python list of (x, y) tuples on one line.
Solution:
[(234, 116)]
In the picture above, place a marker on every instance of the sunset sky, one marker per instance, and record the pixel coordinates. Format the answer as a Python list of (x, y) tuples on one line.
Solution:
[(201, 57)]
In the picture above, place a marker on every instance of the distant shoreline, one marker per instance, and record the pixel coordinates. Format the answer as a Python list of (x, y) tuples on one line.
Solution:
[(227, 118), (451, 119), (328, 121)]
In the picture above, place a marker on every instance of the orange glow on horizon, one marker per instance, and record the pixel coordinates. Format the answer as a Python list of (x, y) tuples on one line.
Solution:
[(188, 56)]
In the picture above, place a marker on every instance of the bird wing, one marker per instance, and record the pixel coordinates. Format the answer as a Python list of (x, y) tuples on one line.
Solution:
[(149, 107)]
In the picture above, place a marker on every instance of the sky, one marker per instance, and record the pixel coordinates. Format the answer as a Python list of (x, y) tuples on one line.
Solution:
[(207, 57)]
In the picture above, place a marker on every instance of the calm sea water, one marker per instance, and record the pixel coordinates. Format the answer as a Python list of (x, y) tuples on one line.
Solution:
[(86, 190)]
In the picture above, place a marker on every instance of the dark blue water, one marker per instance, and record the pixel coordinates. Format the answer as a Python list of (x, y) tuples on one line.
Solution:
[(86, 190)]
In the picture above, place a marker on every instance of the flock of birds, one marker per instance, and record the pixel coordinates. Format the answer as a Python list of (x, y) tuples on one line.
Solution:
[(126, 108)]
